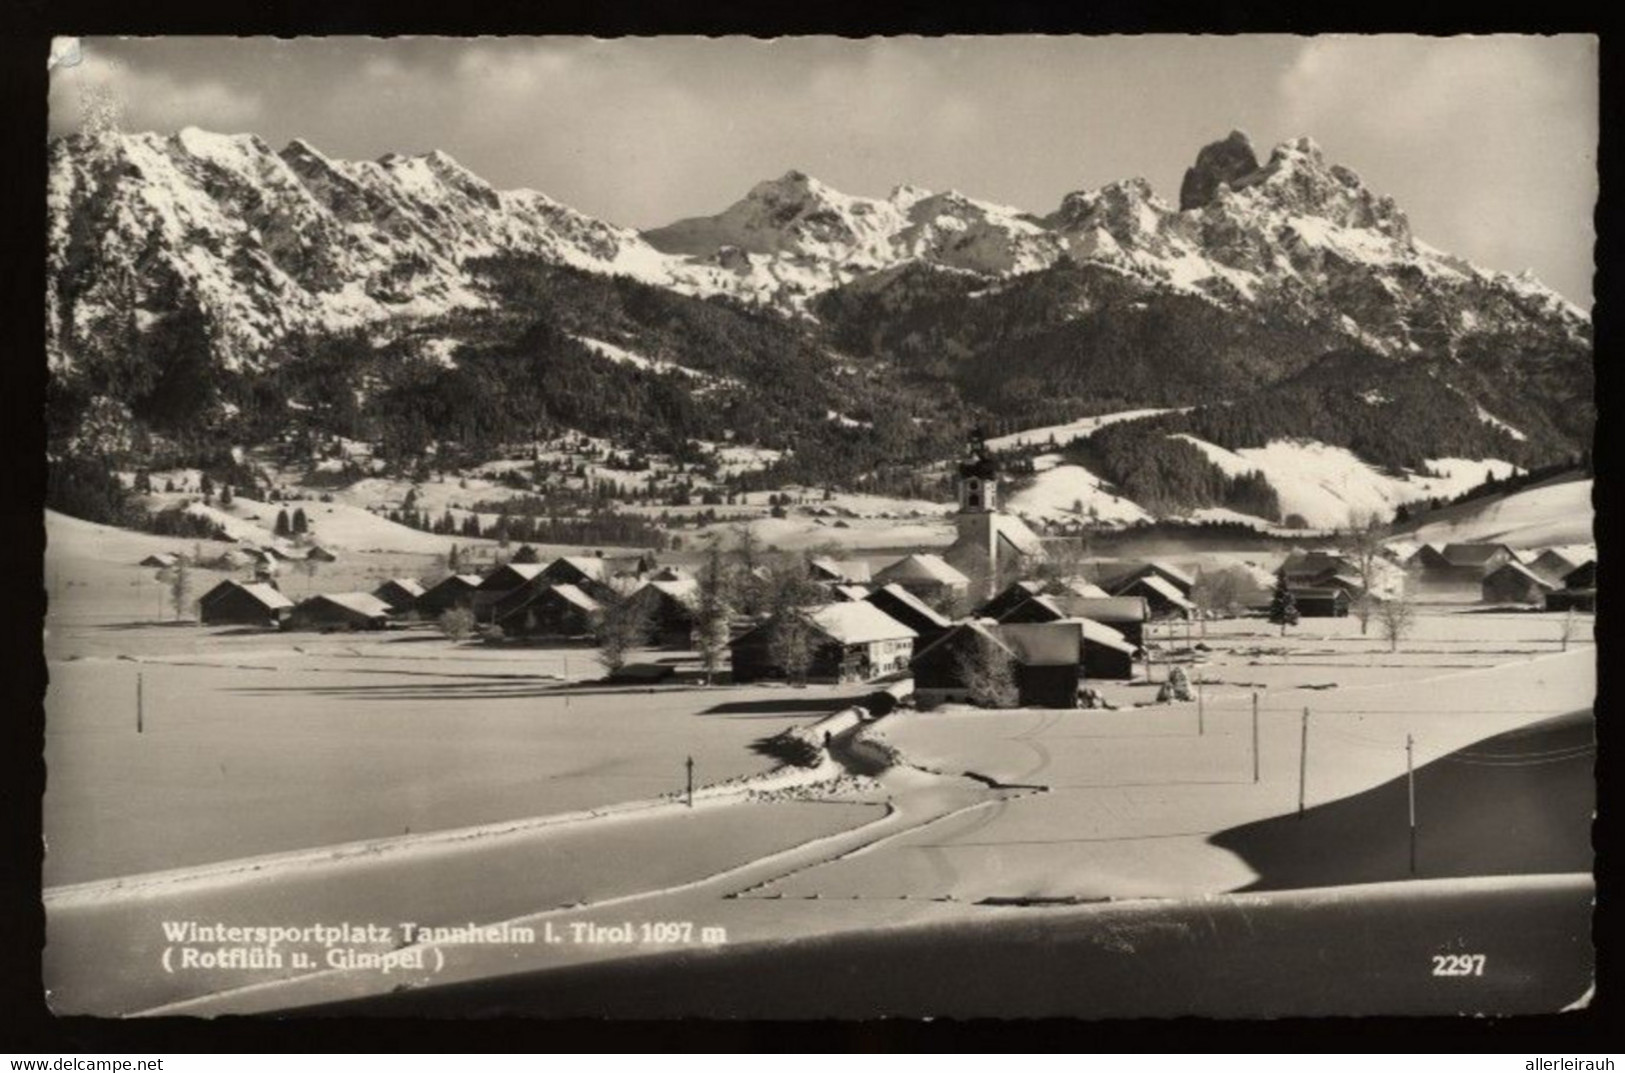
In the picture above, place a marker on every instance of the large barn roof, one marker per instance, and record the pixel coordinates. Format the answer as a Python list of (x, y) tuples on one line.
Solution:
[(362, 603), (269, 595), (589, 565), (571, 594), (843, 569), (1163, 587), (913, 603), (858, 623), (1108, 609), (409, 585), (923, 567), (1519, 570), (1473, 554)]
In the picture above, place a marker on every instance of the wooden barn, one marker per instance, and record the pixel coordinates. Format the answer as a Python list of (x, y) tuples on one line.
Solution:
[(1106, 652), (1459, 566), (339, 611), (671, 607), (1161, 595), (851, 642), (1514, 583), (557, 611), (1009, 598), (505, 587), (454, 590), (1579, 591), (1309, 568), (927, 576), (162, 559), (1171, 576), (400, 593), (912, 612), (1125, 614), (588, 573), (319, 554), (1046, 659), (235, 603), (1583, 576), (1552, 565), (1320, 602)]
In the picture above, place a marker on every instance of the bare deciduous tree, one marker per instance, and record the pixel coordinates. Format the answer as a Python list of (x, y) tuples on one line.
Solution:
[(790, 645), (1395, 618), (457, 623), (1362, 544)]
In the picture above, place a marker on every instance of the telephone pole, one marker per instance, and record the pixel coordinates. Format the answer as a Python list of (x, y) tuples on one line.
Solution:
[(1410, 792), (139, 702), (1255, 736), (1303, 762), (690, 766)]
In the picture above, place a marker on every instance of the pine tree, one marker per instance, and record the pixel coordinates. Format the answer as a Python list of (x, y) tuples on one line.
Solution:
[(282, 527), (1283, 608), (300, 523)]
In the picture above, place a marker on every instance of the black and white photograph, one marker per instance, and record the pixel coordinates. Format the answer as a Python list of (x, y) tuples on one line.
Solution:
[(820, 528)]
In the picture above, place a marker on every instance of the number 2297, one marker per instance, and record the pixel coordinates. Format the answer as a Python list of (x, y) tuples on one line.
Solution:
[(1458, 964)]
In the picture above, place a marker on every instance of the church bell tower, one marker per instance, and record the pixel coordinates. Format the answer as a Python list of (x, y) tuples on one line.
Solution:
[(978, 479)]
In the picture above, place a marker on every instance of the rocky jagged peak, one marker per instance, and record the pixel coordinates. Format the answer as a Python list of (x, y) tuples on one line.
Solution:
[(1219, 163), (906, 195)]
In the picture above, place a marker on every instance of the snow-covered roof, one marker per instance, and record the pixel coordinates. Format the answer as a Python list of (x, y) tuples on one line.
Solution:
[(1018, 535), (685, 589), (913, 603), (1522, 571), (589, 565), (1163, 587), (985, 628), (1043, 644), (842, 569), (572, 595), (1473, 554), (362, 603), (409, 585), (858, 623), (923, 567), (269, 595), (850, 592), (1098, 633), (1109, 609), (1079, 587), (1171, 572)]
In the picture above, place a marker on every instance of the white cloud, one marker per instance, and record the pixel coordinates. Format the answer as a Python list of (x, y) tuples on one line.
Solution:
[(149, 99)]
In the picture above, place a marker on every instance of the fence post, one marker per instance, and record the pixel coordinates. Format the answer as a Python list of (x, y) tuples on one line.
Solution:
[(140, 702), (1303, 762), (1255, 735), (1410, 791)]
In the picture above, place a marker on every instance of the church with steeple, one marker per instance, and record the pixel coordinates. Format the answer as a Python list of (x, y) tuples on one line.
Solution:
[(992, 547)]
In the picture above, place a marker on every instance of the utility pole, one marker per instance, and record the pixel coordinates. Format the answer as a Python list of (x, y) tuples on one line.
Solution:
[(1255, 736), (139, 703), (1201, 714), (690, 766), (1303, 762), (1410, 791)]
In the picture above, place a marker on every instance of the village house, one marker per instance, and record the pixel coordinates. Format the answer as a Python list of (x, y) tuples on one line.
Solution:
[(1552, 565), (555, 611), (842, 594), (839, 571), (1320, 602), (990, 545), (1163, 597), (1514, 583), (912, 612), (238, 604), (1171, 576), (671, 608), (1107, 653), (339, 611), (929, 577), (1009, 598), (400, 593), (162, 559), (851, 642), (319, 554), (506, 585), (454, 590)]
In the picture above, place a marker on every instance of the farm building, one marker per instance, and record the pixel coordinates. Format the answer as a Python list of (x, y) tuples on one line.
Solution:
[(911, 611), (1106, 652), (1125, 614), (1009, 598), (927, 576), (1583, 576), (851, 642), (1552, 565), (842, 594), (1348, 583), (1459, 565), (455, 590), (504, 587), (400, 593), (1163, 596), (1514, 583), (1171, 577), (1321, 602), (1078, 586), (671, 607), (162, 559), (839, 571), (1309, 567), (547, 611), (339, 611), (1579, 591), (319, 554), (232, 559), (234, 603), (588, 573), (1045, 659)]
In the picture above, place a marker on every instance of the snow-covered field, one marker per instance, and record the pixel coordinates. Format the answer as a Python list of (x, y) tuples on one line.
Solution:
[(1063, 434), (1547, 516), (1058, 492), (1326, 485)]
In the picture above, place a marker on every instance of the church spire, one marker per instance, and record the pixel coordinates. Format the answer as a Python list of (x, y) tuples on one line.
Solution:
[(978, 478)]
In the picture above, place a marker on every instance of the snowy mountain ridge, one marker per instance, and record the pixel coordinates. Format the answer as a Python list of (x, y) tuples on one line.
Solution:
[(269, 242)]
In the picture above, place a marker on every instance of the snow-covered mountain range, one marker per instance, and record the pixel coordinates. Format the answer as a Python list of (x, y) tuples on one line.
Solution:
[(267, 241)]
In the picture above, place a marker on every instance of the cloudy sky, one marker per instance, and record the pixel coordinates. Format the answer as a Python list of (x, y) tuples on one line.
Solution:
[(1488, 143)]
